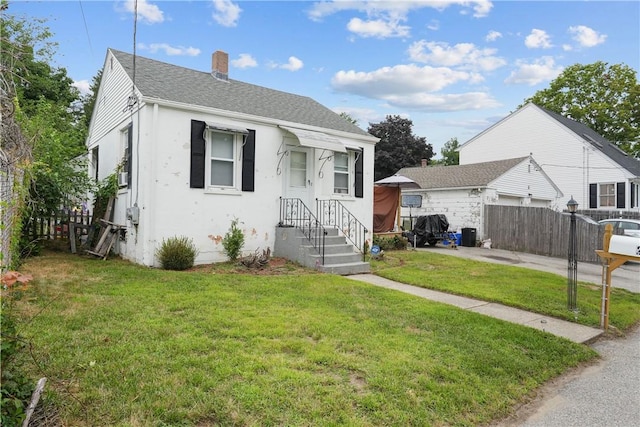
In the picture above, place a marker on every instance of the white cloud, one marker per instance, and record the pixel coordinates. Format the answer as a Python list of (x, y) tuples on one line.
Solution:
[(543, 69), (170, 50), (463, 55), (493, 36), (383, 18), (445, 102), (413, 87), (567, 47), (363, 116), (147, 12), (377, 28), (244, 61), (400, 79), (227, 13), (321, 9), (294, 64), (538, 39), (83, 86), (586, 37), (434, 25)]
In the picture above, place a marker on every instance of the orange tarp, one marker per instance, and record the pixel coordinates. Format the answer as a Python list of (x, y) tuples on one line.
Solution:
[(385, 206)]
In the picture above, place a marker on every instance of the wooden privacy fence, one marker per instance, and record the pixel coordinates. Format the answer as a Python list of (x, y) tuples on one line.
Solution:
[(540, 231), (57, 226)]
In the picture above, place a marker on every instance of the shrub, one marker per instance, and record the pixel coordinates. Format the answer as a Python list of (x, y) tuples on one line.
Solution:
[(233, 241), (177, 253), (390, 243)]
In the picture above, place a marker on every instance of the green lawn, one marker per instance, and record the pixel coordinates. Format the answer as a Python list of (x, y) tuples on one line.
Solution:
[(531, 290), (126, 345)]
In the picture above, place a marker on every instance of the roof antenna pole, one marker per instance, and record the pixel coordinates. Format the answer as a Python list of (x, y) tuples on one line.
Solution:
[(133, 99)]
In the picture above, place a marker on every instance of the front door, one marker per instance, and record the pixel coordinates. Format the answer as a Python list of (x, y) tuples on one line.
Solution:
[(299, 182)]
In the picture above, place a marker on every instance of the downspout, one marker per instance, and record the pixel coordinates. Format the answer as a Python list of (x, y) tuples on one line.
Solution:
[(148, 244)]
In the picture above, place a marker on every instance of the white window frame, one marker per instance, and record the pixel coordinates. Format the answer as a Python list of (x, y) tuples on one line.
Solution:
[(350, 172), (235, 159), (609, 196)]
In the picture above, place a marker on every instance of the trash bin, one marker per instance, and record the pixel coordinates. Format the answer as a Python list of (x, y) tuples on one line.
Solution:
[(468, 237)]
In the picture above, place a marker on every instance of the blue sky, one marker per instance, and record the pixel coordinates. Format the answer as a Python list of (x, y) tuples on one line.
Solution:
[(453, 67)]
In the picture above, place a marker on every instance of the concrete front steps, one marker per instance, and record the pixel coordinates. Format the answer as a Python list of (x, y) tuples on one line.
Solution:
[(339, 256)]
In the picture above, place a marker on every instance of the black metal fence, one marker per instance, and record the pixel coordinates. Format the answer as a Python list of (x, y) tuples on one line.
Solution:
[(332, 213)]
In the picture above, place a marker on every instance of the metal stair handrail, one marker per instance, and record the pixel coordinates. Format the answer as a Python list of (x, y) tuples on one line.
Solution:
[(333, 213), (294, 213)]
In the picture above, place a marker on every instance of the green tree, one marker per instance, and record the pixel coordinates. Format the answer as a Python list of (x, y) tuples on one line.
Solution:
[(348, 118), (88, 101), (450, 154), (398, 146), (604, 97), (43, 99)]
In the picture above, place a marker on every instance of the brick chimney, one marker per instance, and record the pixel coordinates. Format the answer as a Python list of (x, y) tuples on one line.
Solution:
[(424, 163), (220, 65)]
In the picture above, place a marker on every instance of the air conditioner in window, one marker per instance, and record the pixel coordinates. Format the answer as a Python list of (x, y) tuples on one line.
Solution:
[(123, 179)]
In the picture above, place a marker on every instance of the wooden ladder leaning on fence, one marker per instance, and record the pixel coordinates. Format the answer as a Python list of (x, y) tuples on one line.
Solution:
[(108, 233)]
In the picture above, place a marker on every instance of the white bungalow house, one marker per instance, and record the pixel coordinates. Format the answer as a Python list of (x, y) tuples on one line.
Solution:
[(198, 150), (460, 192), (580, 162)]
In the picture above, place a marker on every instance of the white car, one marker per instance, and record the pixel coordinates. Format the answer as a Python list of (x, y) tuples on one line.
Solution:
[(630, 227)]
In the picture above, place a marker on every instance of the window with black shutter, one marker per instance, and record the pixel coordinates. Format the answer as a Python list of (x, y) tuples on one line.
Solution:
[(249, 161), (620, 195), (198, 148), (222, 157), (359, 175), (593, 196)]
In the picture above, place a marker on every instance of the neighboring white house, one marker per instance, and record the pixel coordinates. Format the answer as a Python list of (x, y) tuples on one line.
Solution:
[(199, 149), (460, 192), (580, 162)]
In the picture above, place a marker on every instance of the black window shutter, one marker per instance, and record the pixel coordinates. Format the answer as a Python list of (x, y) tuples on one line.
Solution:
[(620, 202), (359, 175), (593, 196), (196, 177), (634, 202), (129, 154), (249, 161)]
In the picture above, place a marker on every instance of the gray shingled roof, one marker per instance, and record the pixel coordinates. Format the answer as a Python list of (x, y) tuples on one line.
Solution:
[(178, 84), (460, 176), (598, 142)]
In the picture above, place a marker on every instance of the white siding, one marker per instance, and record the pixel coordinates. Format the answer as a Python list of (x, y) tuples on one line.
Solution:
[(110, 110), (463, 208), (523, 185), (526, 181), (571, 163), (169, 207), (161, 172)]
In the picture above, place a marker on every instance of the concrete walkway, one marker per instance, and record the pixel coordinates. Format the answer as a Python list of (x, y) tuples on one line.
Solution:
[(571, 331)]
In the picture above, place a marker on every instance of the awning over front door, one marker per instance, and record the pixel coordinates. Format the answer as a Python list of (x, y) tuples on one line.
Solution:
[(309, 138)]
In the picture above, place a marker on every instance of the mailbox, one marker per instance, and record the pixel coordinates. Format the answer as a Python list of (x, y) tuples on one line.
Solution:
[(625, 245)]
